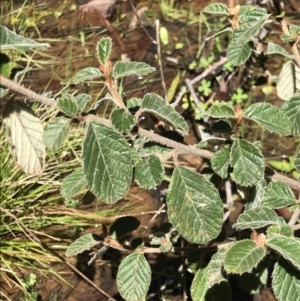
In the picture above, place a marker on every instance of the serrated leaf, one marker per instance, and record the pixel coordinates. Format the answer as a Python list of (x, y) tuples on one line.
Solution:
[(269, 117), (25, 135), (104, 49), (256, 194), (294, 29), (68, 105), (297, 162), (287, 38), (277, 49), (220, 162), (245, 33), (122, 121), (252, 16), (214, 268), (256, 218), (86, 74), (247, 162), (278, 195), (238, 53), (221, 111), (286, 281), (106, 162), (133, 103), (243, 256), (9, 40), (134, 277), (56, 132), (291, 108), (199, 285), (288, 81), (287, 247), (156, 105), (81, 244), (73, 184), (217, 8), (122, 69), (82, 100), (194, 206), (149, 172)]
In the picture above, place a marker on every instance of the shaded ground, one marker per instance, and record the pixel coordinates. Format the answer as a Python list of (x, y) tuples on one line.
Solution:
[(73, 48)]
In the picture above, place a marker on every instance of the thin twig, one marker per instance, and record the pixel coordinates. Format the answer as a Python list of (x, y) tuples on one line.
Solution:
[(229, 199), (160, 60), (44, 246)]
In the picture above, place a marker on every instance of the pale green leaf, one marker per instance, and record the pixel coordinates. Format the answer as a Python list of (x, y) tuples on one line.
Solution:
[(164, 35), (297, 161), (56, 132), (269, 117), (134, 277), (104, 49), (287, 38), (221, 110), (214, 268), (106, 162), (9, 40), (287, 247), (122, 120), (194, 206), (149, 172), (73, 184), (81, 244), (252, 16), (256, 194), (68, 105), (122, 69), (133, 103), (243, 256), (277, 49), (86, 74), (247, 162), (82, 100), (256, 218), (155, 104), (238, 53), (286, 281), (291, 108), (294, 29), (200, 286), (278, 195), (25, 135), (220, 162), (288, 80), (217, 8)]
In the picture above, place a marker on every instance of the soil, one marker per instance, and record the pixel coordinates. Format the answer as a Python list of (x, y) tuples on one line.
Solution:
[(67, 55)]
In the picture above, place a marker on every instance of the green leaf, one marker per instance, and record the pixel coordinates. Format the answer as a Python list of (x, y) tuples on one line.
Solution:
[(200, 285), (11, 41), (149, 172), (25, 132), (68, 105), (214, 268), (155, 104), (122, 69), (269, 117), (82, 100), (219, 292), (256, 194), (164, 35), (104, 49), (253, 16), (86, 74), (294, 29), (122, 121), (277, 49), (247, 162), (220, 162), (238, 54), (278, 195), (287, 247), (73, 184), (256, 218), (134, 277), (133, 103), (288, 81), (286, 281), (221, 111), (243, 256), (287, 38), (56, 132), (297, 161), (106, 162), (83, 243), (217, 8), (291, 108), (194, 206)]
